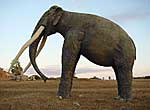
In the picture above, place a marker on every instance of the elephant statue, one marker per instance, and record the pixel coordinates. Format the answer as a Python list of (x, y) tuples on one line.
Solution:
[(98, 39)]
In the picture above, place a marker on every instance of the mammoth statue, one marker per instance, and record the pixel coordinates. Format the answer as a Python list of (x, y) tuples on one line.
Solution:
[(98, 39)]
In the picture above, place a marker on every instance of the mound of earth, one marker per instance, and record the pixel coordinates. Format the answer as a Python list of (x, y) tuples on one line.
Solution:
[(4, 75)]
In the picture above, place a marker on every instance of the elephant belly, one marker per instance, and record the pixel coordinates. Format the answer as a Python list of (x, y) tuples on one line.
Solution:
[(98, 56)]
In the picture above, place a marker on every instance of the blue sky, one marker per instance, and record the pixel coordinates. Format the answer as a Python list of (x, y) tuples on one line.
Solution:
[(18, 19)]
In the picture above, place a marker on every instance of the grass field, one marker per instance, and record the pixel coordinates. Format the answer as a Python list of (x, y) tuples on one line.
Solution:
[(87, 94)]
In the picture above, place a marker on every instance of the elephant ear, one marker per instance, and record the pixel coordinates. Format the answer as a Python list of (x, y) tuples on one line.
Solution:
[(58, 14)]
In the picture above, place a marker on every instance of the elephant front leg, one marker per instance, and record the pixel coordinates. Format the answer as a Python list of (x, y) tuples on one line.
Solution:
[(65, 85), (70, 57)]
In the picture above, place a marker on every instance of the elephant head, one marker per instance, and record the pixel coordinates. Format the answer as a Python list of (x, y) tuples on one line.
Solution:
[(49, 20), (45, 27)]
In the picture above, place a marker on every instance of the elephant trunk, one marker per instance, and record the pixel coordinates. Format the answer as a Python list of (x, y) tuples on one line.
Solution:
[(33, 51), (37, 53)]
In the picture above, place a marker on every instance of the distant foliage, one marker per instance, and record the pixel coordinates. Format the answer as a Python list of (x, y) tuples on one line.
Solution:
[(147, 77)]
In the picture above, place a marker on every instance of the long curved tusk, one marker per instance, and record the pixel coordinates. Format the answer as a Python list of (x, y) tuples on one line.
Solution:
[(29, 42), (34, 37), (39, 50)]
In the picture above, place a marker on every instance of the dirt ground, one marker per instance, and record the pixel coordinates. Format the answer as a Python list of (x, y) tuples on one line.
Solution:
[(87, 94)]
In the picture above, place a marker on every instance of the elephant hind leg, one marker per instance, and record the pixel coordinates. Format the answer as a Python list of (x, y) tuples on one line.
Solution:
[(123, 71)]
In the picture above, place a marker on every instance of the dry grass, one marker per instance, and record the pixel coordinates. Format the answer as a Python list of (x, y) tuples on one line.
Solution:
[(86, 95)]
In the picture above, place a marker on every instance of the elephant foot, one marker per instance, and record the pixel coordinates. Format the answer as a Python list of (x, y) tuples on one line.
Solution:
[(64, 92), (63, 95), (122, 99), (125, 93), (65, 85)]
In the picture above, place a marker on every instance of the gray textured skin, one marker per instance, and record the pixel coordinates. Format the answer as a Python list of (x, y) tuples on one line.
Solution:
[(99, 40)]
